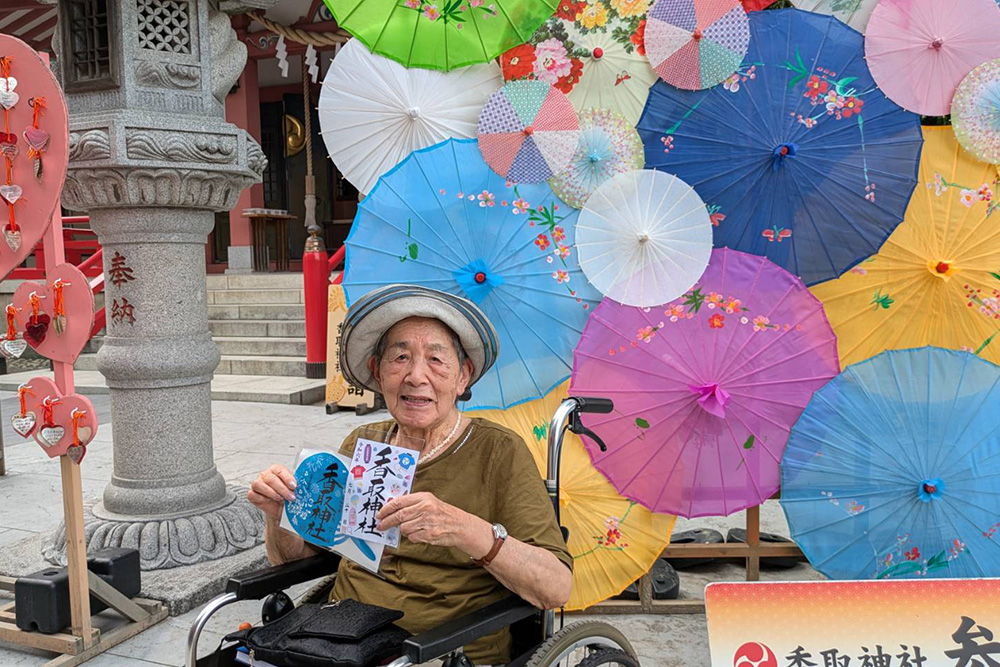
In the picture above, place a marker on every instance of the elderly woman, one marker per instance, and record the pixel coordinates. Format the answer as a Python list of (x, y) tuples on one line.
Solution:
[(478, 521)]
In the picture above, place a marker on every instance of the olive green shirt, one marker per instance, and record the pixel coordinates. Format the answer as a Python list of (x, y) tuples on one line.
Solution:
[(488, 472)]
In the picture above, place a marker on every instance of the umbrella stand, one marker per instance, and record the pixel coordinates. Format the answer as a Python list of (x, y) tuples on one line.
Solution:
[(752, 552)]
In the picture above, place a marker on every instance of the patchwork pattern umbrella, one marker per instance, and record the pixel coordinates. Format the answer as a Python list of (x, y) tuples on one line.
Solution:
[(920, 50), (854, 13), (798, 156), (613, 540), (706, 388), (644, 238), (373, 112), (891, 471), (528, 131), (936, 281), (443, 219), (592, 51), (608, 145), (440, 35), (975, 112), (696, 44)]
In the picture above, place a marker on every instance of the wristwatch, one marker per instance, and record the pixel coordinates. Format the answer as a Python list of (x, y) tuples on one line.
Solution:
[(499, 536)]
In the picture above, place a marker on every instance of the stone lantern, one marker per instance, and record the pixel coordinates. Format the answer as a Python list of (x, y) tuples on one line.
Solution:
[(151, 161)]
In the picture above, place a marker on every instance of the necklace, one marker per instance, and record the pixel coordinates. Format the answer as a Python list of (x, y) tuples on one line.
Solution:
[(429, 455)]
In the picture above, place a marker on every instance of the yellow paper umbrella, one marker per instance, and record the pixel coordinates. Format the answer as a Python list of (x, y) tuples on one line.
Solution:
[(936, 280), (613, 540)]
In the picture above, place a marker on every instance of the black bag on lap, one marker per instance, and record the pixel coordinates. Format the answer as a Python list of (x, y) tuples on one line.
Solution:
[(343, 633)]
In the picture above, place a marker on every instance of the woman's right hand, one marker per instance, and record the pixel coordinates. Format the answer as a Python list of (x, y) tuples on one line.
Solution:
[(271, 489)]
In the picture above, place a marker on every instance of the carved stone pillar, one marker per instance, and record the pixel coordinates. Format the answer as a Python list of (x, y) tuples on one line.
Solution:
[(151, 160)]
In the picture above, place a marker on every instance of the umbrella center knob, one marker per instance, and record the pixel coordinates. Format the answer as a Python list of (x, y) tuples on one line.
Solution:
[(931, 489), (937, 43), (643, 238), (697, 34), (598, 53), (413, 112), (480, 277), (528, 131), (594, 157), (942, 267)]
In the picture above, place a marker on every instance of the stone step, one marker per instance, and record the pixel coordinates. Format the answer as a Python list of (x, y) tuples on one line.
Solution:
[(239, 364), (254, 296), (261, 346), (278, 328), (257, 312), (234, 364), (249, 388), (255, 281)]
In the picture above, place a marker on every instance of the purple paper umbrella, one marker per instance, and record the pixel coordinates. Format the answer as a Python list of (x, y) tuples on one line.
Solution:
[(706, 388)]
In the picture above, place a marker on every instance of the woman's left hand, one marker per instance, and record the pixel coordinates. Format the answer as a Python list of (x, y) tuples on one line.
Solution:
[(423, 517)]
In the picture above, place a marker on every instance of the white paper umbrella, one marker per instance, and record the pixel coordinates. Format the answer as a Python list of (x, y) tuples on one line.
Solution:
[(854, 13), (644, 238), (373, 112)]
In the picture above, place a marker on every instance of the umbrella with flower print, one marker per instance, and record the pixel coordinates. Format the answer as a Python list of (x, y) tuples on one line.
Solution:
[(609, 145), (440, 34), (936, 280), (613, 540), (891, 471), (706, 387), (442, 218), (695, 44), (854, 13), (593, 51), (975, 112), (788, 152)]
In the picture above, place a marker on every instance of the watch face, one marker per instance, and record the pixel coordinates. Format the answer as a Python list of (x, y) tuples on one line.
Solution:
[(499, 531)]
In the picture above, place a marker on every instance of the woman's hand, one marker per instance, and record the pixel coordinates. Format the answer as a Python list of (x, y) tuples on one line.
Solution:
[(424, 518), (271, 489)]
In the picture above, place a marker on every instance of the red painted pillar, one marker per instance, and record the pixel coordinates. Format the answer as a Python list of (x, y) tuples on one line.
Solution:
[(243, 111), (316, 279)]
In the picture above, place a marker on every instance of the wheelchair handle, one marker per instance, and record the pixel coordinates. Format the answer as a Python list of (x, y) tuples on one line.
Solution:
[(601, 406)]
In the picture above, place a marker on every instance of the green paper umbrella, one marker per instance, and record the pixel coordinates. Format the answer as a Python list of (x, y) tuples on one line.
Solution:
[(441, 34)]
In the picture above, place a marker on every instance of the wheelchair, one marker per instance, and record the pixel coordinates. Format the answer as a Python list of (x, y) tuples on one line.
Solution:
[(536, 640)]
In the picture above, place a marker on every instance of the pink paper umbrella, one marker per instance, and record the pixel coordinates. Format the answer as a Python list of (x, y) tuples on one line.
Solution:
[(706, 388), (918, 51)]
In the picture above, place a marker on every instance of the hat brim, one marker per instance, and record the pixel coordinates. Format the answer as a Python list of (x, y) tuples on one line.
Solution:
[(369, 318)]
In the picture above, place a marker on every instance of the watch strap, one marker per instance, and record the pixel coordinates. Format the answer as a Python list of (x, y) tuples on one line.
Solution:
[(494, 550)]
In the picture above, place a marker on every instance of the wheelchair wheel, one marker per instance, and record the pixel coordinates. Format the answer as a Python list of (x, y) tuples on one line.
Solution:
[(582, 645), (611, 657)]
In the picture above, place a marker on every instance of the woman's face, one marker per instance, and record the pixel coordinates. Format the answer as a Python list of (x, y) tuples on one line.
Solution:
[(419, 373)]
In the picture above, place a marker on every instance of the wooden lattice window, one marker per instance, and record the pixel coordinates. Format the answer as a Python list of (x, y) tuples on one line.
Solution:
[(89, 43)]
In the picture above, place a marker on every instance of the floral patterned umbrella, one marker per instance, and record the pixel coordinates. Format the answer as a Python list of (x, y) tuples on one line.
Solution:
[(440, 34), (787, 153), (936, 281), (613, 540), (695, 44), (609, 145), (593, 51), (706, 388), (891, 471), (975, 112), (443, 219)]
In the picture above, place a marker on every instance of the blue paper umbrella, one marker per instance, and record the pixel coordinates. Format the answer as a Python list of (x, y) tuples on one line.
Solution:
[(443, 219), (893, 469), (798, 155)]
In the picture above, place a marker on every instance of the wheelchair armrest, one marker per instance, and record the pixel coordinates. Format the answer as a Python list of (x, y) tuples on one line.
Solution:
[(461, 631), (260, 584)]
